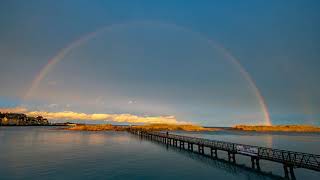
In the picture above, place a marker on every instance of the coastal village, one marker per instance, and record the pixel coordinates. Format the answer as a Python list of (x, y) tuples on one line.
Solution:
[(18, 119)]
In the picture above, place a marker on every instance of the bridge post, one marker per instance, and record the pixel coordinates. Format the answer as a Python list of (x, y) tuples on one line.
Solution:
[(182, 144), (258, 164), (190, 146), (252, 163), (293, 177), (216, 153), (233, 157), (202, 149), (211, 152), (286, 173)]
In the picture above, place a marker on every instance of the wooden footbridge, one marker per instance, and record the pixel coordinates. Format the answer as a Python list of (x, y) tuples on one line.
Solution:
[(289, 159)]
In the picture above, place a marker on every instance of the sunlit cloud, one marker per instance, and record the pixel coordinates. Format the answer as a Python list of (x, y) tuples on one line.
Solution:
[(70, 115), (14, 110)]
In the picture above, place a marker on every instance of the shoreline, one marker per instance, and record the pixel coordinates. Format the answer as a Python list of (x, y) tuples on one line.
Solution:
[(29, 125), (150, 127), (186, 128)]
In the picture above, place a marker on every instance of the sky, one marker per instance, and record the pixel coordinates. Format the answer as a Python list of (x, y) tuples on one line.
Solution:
[(214, 63)]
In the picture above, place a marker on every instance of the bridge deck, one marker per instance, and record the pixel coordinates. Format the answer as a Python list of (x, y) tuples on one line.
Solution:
[(288, 158)]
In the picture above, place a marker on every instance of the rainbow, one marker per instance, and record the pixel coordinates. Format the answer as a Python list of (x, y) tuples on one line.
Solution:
[(64, 51)]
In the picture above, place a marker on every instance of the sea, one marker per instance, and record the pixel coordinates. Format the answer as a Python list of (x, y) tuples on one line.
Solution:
[(51, 153)]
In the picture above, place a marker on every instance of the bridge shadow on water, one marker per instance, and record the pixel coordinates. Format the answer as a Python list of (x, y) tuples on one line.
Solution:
[(218, 163)]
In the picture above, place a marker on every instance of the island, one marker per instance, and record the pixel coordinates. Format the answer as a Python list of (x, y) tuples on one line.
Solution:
[(19, 119), (277, 128)]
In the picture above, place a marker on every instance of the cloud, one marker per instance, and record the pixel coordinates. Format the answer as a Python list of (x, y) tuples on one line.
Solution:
[(53, 105), (52, 83), (14, 110), (70, 115), (132, 102)]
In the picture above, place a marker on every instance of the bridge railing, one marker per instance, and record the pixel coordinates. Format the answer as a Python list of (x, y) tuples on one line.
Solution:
[(297, 159)]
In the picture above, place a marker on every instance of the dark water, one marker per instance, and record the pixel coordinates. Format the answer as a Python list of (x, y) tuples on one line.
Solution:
[(48, 153)]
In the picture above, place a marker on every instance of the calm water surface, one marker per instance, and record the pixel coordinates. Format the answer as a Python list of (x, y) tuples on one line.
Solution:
[(48, 153)]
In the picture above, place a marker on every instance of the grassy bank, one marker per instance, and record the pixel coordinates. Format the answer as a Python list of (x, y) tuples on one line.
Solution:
[(149, 127), (102, 127), (173, 127), (279, 128)]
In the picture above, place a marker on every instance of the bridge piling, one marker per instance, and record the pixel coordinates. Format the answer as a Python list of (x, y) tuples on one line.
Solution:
[(191, 147), (293, 177), (286, 173), (252, 163), (258, 164), (288, 170), (181, 144), (201, 149), (233, 157)]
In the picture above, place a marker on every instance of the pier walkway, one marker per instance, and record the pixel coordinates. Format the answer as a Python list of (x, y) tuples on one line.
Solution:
[(289, 159)]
